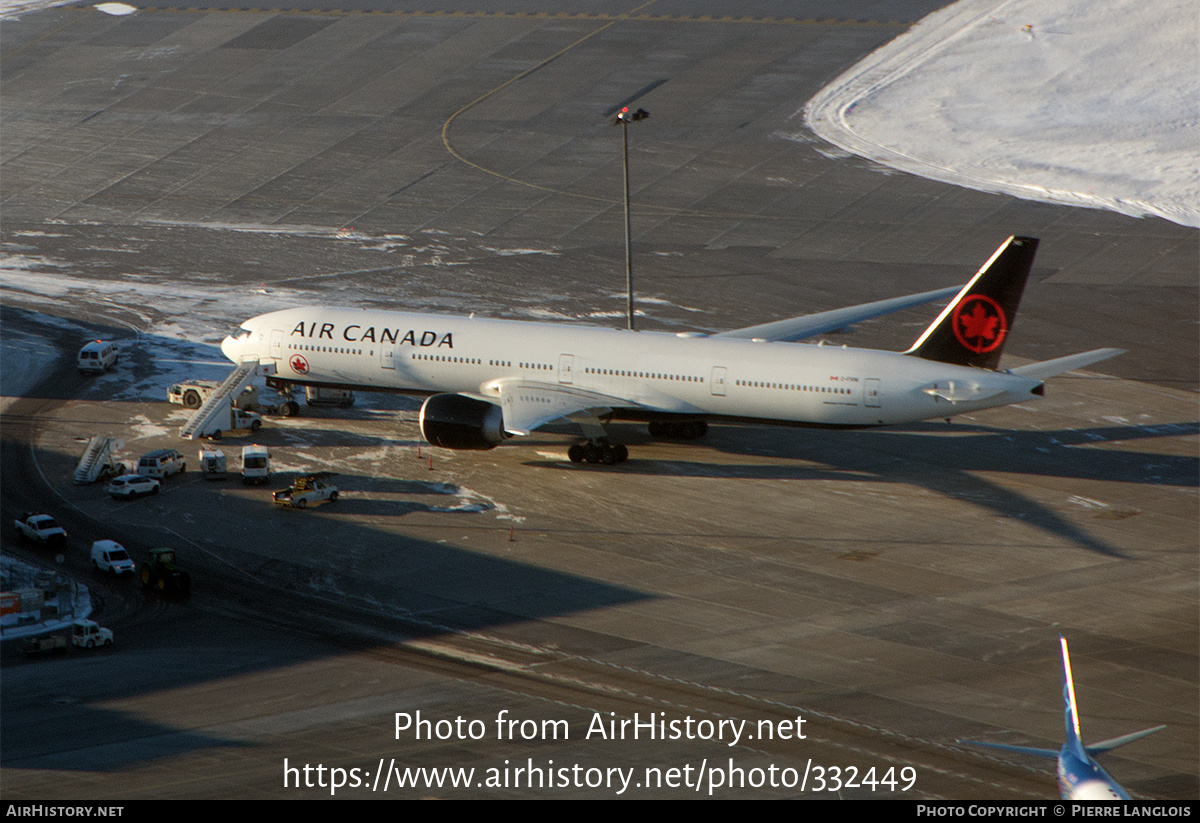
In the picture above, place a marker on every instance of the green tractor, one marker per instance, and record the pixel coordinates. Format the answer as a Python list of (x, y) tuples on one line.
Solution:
[(160, 572)]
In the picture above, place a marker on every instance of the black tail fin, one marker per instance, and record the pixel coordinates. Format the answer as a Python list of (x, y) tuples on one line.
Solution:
[(971, 331)]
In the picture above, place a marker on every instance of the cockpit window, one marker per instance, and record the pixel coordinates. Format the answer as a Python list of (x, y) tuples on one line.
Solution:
[(240, 333)]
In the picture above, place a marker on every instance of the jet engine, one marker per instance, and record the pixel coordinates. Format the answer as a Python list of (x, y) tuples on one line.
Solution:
[(455, 421)]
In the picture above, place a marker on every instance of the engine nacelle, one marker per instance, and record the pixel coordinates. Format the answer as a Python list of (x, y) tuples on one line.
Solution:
[(455, 421)]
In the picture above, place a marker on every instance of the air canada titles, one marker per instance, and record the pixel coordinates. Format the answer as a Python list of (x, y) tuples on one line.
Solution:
[(356, 334)]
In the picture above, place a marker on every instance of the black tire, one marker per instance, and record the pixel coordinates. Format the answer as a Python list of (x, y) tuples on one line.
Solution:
[(622, 452), (216, 435), (608, 455), (108, 641), (333, 497), (285, 410), (591, 454), (255, 425), (301, 503), (155, 490), (191, 399), (91, 644), (576, 453)]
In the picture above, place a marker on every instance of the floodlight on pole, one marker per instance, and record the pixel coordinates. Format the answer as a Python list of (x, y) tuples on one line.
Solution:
[(624, 117)]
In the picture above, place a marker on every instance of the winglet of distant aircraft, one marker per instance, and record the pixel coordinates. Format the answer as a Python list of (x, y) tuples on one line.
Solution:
[(1080, 777)]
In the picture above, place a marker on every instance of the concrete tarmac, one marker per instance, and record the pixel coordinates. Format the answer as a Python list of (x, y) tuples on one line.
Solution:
[(897, 588)]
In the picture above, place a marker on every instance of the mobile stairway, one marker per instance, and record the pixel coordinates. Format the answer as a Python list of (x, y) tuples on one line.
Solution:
[(214, 411), (97, 459)]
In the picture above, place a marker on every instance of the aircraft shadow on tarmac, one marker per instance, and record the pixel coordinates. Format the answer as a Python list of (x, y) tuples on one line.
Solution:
[(947, 465)]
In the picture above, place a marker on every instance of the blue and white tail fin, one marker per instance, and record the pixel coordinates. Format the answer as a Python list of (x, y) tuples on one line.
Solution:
[(1070, 709)]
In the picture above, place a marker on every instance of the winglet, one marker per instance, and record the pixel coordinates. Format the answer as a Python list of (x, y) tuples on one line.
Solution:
[(972, 330)]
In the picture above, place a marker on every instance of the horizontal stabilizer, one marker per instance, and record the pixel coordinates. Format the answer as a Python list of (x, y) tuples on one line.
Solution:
[(1049, 368), (1051, 754), (810, 325), (1109, 745)]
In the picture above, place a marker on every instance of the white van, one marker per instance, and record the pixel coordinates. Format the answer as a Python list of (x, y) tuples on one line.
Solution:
[(110, 556), (161, 464), (256, 465), (97, 357)]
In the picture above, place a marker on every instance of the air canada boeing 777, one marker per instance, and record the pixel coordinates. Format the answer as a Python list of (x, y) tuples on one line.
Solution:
[(488, 380)]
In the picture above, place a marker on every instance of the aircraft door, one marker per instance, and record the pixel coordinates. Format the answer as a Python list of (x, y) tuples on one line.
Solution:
[(717, 383), (277, 344), (871, 392), (566, 362), (387, 355)]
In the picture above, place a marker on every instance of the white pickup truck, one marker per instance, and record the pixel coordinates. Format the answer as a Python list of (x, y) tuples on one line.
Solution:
[(41, 528), (308, 489)]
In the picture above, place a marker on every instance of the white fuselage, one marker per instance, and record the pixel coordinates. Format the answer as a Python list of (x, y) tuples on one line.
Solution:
[(667, 373)]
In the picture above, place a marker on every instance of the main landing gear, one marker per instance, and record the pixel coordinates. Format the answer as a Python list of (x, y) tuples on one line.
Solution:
[(598, 451)]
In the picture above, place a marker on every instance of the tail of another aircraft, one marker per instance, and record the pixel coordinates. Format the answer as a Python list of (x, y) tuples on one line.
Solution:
[(971, 331), (1074, 742)]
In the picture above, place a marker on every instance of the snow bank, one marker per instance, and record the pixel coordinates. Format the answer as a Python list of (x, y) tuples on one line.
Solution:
[(1071, 101)]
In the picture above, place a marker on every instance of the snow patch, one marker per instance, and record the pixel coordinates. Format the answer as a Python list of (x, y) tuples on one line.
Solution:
[(1072, 101)]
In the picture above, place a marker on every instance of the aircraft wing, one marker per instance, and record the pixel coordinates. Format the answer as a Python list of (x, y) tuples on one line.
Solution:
[(809, 325), (1046, 753), (527, 404)]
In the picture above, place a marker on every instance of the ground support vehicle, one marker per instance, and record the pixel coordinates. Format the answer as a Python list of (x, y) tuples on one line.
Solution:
[(41, 528), (307, 490), (110, 556), (129, 486), (238, 421), (161, 464), (212, 464), (97, 357), (99, 461), (88, 634), (256, 465), (162, 573), (320, 396), (35, 646)]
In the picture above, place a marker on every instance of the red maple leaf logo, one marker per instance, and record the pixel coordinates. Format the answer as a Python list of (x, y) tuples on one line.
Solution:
[(979, 323), (298, 364)]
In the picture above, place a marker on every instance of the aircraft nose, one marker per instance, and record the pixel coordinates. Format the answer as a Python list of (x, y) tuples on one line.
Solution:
[(229, 349)]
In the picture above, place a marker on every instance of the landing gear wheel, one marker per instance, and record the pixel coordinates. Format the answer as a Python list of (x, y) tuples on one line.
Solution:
[(608, 455), (622, 452), (591, 453), (576, 452)]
